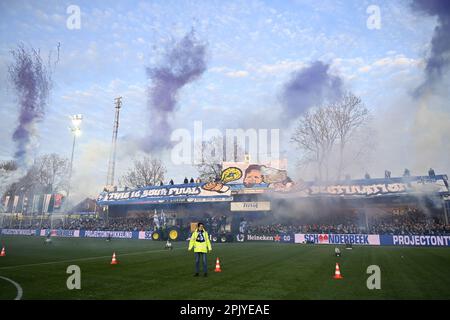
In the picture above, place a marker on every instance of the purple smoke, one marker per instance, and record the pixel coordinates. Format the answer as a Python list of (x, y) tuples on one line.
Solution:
[(183, 62), (31, 80), (439, 58), (311, 86)]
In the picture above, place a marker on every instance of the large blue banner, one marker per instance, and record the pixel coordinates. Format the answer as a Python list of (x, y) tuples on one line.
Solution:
[(191, 192)]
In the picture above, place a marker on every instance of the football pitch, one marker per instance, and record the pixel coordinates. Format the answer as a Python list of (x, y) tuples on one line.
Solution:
[(249, 271)]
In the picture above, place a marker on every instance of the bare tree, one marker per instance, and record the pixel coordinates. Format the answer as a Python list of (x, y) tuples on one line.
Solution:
[(48, 173), (349, 114), (51, 170), (321, 130), (315, 135), (213, 154), (7, 172), (145, 172)]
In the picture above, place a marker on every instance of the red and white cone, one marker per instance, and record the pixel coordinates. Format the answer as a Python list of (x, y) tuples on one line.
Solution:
[(217, 269), (3, 253), (337, 273), (114, 260)]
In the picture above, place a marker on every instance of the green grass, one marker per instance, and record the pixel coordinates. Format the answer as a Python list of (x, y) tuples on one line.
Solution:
[(250, 271)]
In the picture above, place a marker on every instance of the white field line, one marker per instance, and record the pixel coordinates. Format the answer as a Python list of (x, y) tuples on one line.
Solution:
[(18, 287), (83, 259)]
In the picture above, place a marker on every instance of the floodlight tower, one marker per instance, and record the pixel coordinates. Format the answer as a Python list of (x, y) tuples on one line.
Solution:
[(112, 155)]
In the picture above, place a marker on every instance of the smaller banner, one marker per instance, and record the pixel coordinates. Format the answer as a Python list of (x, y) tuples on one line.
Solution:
[(22, 232), (250, 206), (58, 201), (257, 237), (16, 201), (35, 206), (65, 233), (45, 207), (286, 238), (105, 234), (145, 235), (362, 239), (59, 233)]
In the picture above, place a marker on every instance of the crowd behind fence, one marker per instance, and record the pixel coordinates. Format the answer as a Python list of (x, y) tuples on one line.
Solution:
[(398, 226)]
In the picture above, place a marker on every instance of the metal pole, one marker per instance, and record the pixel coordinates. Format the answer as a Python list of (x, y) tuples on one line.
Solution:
[(112, 156), (70, 173)]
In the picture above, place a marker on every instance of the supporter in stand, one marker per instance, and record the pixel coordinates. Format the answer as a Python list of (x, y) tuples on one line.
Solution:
[(409, 223)]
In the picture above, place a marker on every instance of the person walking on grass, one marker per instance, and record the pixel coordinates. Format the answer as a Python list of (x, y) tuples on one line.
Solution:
[(201, 245)]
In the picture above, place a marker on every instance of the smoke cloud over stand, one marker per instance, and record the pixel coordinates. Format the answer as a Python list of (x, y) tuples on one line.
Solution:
[(182, 63), (309, 87)]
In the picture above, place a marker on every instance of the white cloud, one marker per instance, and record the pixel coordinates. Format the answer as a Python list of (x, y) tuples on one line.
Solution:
[(237, 74), (364, 69), (282, 66), (397, 61)]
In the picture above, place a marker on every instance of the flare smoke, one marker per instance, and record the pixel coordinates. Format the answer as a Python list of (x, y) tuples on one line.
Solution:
[(439, 56), (309, 87), (182, 63), (32, 81)]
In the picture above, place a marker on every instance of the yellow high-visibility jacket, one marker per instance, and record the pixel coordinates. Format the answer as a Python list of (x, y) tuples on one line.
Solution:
[(200, 242)]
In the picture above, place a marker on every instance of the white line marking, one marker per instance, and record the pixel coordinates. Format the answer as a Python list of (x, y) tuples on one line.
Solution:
[(18, 287), (83, 259)]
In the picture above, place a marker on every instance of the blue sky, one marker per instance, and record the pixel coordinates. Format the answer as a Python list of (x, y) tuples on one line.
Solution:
[(253, 46)]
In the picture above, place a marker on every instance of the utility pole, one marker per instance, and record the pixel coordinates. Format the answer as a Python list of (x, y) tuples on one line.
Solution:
[(112, 155)]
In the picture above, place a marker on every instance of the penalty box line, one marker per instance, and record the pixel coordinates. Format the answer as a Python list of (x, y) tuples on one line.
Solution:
[(83, 259)]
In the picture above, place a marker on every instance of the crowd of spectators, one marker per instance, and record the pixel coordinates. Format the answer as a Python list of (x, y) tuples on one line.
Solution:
[(113, 224), (407, 228), (418, 228), (399, 222), (412, 223)]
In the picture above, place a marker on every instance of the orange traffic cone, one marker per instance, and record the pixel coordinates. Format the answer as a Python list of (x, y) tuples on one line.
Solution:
[(114, 260), (3, 253), (217, 266), (337, 273)]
